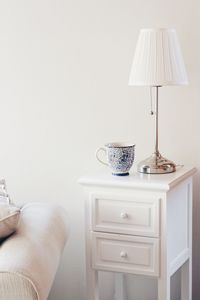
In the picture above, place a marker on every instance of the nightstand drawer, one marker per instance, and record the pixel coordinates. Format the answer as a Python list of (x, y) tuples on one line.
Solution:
[(128, 254), (128, 215)]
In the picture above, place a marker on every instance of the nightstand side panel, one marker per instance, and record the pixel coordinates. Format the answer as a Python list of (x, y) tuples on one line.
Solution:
[(179, 224)]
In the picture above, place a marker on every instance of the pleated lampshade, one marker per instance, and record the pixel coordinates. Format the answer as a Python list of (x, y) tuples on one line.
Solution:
[(158, 60)]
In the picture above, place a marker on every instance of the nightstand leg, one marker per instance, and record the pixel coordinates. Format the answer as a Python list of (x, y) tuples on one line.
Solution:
[(186, 281), (120, 290), (164, 288), (92, 285)]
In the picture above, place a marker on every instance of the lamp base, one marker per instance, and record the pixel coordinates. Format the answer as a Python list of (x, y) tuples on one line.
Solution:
[(156, 164)]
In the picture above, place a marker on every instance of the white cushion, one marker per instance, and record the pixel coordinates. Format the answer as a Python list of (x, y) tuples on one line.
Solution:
[(34, 251)]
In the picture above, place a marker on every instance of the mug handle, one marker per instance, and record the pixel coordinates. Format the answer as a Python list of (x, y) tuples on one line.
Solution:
[(97, 155)]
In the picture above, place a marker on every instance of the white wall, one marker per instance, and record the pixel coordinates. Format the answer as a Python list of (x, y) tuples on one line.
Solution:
[(64, 67)]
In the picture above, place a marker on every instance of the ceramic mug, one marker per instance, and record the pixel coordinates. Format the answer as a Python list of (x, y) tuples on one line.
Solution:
[(119, 156)]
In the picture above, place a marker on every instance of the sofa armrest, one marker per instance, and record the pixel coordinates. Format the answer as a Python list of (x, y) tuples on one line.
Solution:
[(16, 287), (35, 249)]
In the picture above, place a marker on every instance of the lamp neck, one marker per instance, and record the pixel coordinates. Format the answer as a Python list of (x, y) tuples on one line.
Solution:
[(156, 122)]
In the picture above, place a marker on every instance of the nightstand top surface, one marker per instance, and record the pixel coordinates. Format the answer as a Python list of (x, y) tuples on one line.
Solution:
[(138, 180)]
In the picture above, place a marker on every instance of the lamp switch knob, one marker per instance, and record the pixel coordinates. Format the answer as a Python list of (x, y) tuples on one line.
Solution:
[(123, 254), (124, 215)]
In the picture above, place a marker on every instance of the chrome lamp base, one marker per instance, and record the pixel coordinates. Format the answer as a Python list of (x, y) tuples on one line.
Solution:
[(156, 164)]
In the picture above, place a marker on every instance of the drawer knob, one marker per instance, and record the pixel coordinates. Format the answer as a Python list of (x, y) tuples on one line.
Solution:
[(124, 215), (123, 254)]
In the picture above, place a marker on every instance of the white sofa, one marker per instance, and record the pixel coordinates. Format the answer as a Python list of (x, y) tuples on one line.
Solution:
[(30, 257)]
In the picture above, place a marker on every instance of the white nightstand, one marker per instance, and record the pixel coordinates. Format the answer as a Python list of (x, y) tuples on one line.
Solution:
[(139, 224)]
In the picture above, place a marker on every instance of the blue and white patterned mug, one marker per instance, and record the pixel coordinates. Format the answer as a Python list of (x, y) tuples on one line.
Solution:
[(120, 157)]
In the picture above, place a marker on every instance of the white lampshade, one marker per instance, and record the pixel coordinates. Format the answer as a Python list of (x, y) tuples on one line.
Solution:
[(158, 60)]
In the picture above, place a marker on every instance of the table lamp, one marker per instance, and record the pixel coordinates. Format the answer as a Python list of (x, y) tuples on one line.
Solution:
[(157, 62)]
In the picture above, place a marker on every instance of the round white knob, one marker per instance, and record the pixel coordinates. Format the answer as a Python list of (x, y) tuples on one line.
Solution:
[(123, 254), (124, 215)]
